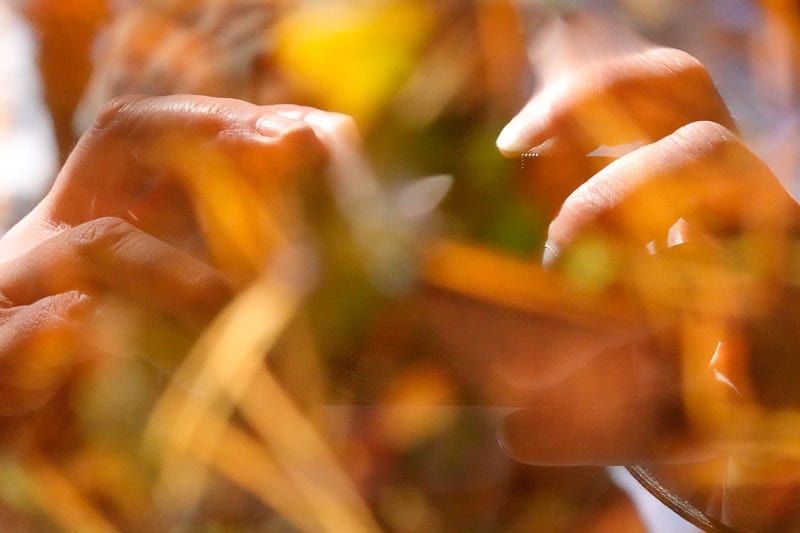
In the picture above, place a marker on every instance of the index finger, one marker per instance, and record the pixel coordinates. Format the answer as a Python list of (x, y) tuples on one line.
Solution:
[(111, 254), (132, 144), (701, 173), (639, 97)]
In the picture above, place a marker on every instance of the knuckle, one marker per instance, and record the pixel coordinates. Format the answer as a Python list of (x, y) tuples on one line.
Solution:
[(708, 149), (56, 306), (101, 233), (678, 65), (118, 110), (213, 119), (677, 61), (303, 137), (702, 137)]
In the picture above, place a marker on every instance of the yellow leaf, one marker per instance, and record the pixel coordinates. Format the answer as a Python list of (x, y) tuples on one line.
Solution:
[(352, 57)]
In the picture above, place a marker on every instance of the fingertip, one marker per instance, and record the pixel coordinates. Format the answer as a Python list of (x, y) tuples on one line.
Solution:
[(329, 124), (516, 141), (78, 299), (520, 439), (506, 438), (216, 294), (512, 141), (530, 130), (550, 254), (277, 125), (547, 436), (70, 305)]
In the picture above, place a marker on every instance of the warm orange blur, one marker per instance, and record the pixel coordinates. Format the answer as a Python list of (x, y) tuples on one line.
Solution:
[(334, 404)]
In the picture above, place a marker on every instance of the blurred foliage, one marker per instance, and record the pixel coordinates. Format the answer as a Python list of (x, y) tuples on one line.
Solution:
[(373, 47), (329, 404)]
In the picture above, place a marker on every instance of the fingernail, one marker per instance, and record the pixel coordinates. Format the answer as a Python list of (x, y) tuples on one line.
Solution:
[(337, 125), (550, 254), (293, 114), (77, 305), (515, 436), (549, 147), (275, 126), (511, 141), (503, 437), (330, 121)]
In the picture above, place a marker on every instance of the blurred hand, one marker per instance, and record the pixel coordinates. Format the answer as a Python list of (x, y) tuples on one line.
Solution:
[(695, 233), (700, 187), (639, 96), (603, 104), (131, 217), (184, 169)]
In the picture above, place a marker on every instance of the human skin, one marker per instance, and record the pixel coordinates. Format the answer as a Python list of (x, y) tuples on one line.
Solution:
[(712, 350), (120, 223)]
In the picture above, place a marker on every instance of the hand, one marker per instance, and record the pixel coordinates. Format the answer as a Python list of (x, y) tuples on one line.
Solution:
[(626, 98), (52, 293), (610, 101), (711, 349), (125, 221), (729, 275), (203, 174)]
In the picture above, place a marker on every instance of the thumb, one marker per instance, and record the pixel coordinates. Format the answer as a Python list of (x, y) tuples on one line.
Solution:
[(39, 344)]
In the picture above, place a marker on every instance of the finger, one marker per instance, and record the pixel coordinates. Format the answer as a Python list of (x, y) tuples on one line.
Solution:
[(585, 395), (701, 173), (510, 354), (620, 407), (631, 403), (39, 344), (137, 142), (111, 254), (636, 98)]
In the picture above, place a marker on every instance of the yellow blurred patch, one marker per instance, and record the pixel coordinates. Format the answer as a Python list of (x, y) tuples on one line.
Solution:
[(352, 57), (417, 407), (591, 264)]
